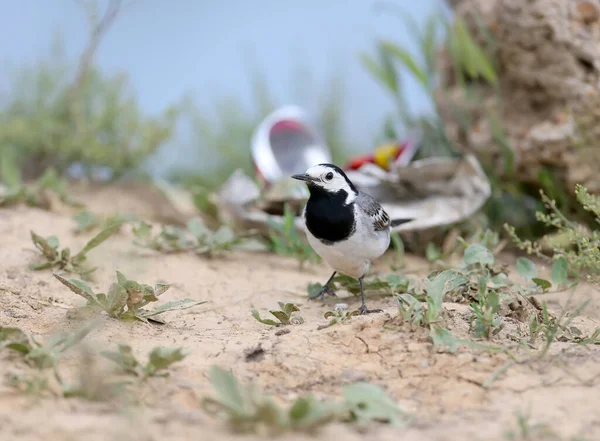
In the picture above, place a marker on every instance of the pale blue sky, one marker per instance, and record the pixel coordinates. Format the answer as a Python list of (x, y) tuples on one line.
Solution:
[(205, 47)]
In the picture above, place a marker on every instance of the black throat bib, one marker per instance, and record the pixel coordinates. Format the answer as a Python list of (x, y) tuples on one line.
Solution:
[(328, 218)]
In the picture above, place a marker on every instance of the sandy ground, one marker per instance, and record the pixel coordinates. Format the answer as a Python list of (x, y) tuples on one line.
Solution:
[(442, 391)]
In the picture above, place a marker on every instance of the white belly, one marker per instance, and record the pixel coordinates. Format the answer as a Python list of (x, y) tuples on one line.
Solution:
[(352, 256)]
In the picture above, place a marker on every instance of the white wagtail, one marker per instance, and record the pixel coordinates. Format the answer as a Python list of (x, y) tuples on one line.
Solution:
[(346, 227)]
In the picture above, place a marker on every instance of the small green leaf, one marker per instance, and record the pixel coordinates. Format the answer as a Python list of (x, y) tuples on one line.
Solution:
[(45, 246), (86, 220), (121, 279), (383, 75), (162, 358), (23, 348), (559, 271), (443, 283), (175, 305), (432, 252), (269, 322), (290, 308), (161, 288), (309, 413), (397, 282), (443, 337), (228, 389), (42, 265), (15, 339), (102, 299), (224, 236), (198, 229), (526, 268), (369, 403), (150, 297), (78, 287), (499, 281), (281, 316), (407, 60), (143, 231), (477, 253), (117, 299), (124, 358), (544, 284), (53, 242), (98, 239)]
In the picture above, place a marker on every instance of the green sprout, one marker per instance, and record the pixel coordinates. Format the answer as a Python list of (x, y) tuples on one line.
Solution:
[(248, 410), (87, 221), (126, 299), (197, 238), (284, 315), (37, 194), (37, 354), (159, 360), (62, 259), (286, 240), (339, 314)]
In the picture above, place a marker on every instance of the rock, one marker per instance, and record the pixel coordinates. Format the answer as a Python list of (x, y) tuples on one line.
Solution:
[(587, 12), (548, 62)]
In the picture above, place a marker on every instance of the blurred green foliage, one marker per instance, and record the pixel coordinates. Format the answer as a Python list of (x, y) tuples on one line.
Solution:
[(60, 114), (578, 245), (473, 64), (222, 136), (50, 120)]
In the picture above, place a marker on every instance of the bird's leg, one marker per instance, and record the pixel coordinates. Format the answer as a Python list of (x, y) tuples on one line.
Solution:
[(363, 308), (325, 290)]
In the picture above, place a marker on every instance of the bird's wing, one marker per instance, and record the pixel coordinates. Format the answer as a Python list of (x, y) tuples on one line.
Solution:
[(381, 220)]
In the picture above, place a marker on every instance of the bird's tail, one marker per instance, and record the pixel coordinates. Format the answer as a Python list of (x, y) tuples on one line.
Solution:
[(396, 222)]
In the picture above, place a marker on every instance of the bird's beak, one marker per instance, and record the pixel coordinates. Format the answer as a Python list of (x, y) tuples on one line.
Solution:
[(303, 177)]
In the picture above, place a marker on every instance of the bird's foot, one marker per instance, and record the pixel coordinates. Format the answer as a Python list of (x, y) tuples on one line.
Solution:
[(364, 310), (321, 295)]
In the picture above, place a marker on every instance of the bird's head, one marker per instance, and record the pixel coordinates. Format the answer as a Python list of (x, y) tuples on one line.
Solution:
[(328, 178)]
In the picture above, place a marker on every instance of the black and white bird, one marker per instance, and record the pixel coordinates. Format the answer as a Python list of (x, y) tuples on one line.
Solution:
[(346, 227)]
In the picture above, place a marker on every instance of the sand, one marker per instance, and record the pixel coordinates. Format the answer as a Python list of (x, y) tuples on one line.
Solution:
[(442, 391)]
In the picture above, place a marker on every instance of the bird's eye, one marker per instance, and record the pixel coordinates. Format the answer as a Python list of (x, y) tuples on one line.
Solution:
[(329, 176)]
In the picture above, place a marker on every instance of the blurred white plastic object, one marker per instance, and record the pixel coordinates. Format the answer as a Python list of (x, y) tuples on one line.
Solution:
[(286, 143)]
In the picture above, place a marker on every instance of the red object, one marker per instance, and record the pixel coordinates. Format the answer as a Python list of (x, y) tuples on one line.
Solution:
[(383, 155), (358, 161)]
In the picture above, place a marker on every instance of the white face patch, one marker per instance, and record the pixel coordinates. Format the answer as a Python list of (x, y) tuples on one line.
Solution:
[(331, 180)]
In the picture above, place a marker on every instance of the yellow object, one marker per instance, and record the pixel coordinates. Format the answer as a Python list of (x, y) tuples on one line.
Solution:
[(385, 153)]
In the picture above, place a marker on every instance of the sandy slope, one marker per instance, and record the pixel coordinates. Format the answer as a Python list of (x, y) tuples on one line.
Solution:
[(443, 391)]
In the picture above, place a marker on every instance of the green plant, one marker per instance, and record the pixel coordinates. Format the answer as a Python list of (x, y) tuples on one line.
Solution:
[(37, 354), (429, 313), (159, 360), (59, 116), (486, 321), (340, 314), (491, 295), (62, 259), (87, 221), (36, 194), (286, 240), (470, 59), (246, 409), (471, 53), (579, 246), (196, 238), (284, 315), (126, 299)]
